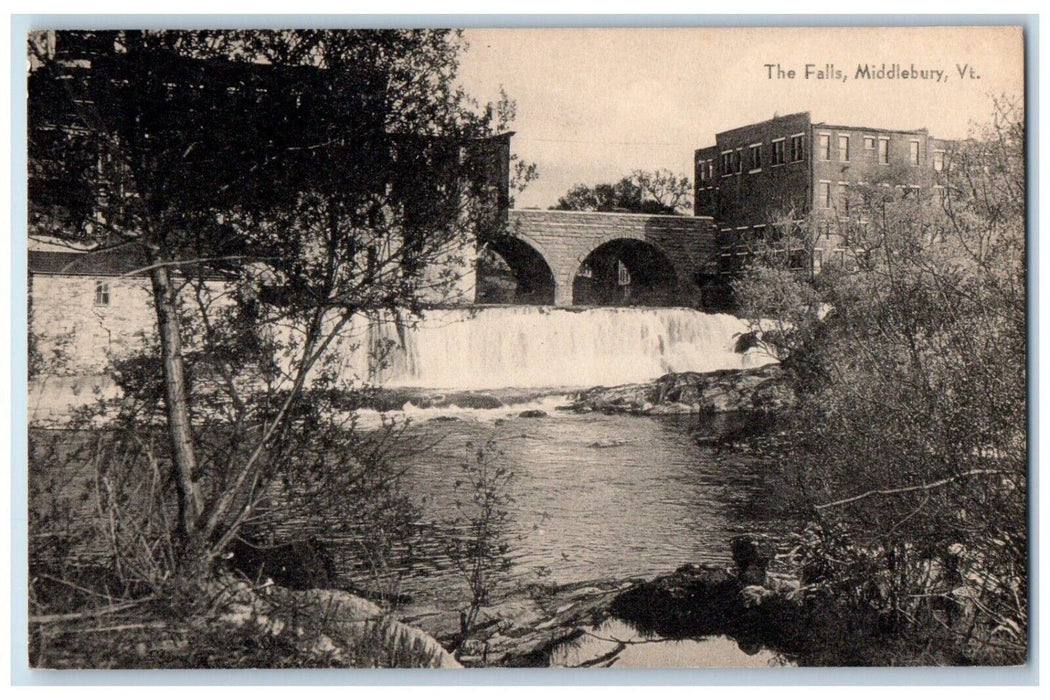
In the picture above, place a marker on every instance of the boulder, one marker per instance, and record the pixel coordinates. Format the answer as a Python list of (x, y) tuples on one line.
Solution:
[(760, 389), (695, 600), (532, 413)]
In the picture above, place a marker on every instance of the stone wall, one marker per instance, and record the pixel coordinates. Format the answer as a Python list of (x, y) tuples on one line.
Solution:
[(451, 280), (74, 332), (566, 238), (52, 400)]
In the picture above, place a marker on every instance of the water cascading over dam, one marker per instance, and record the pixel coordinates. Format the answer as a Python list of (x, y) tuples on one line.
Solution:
[(535, 346)]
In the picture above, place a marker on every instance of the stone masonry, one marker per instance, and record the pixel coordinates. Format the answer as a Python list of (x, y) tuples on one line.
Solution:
[(565, 238)]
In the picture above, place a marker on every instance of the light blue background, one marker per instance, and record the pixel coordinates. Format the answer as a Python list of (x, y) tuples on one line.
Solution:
[(22, 675)]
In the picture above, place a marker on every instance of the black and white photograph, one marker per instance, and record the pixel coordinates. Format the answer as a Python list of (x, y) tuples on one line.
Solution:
[(508, 347)]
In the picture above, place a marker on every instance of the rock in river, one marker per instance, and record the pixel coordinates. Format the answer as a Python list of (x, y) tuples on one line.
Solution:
[(762, 389)]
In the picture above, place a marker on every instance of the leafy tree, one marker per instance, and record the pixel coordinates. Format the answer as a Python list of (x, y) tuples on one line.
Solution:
[(910, 441), (643, 192), (280, 187)]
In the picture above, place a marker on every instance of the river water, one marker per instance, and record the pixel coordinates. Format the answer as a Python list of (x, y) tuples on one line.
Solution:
[(541, 346), (591, 496)]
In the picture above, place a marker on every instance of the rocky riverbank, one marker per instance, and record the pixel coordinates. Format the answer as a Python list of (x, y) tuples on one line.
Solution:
[(763, 389), (228, 622), (742, 602)]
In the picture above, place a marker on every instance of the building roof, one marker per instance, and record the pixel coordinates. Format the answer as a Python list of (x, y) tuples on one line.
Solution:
[(873, 129), (822, 125), (113, 262)]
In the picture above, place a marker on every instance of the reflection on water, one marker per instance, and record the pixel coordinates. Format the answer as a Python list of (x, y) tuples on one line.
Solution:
[(595, 496), (617, 644)]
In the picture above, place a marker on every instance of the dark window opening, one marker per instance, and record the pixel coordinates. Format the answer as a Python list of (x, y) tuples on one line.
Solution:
[(101, 293)]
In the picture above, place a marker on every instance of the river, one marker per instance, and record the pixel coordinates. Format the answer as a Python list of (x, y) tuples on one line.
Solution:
[(591, 496)]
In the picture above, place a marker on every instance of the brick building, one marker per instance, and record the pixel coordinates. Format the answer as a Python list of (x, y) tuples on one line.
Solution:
[(791, 168)]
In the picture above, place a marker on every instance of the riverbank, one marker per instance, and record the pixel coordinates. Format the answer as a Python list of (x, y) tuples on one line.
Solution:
[(677, 499), (698, 616), (699, 607), (228, 622)]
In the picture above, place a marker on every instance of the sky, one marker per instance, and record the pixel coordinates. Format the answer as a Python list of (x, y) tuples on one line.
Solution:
[(595, 104)]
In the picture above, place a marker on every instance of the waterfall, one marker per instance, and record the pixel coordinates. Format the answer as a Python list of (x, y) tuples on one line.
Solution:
[(539, 346)]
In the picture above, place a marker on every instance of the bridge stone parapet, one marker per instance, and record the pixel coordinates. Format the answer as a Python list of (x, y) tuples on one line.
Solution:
[(565, 240)]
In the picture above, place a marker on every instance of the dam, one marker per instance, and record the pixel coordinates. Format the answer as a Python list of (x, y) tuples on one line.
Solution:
[(543, 346)]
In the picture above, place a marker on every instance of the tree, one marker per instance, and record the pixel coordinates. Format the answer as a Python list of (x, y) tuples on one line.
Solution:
[(643, 192), (319, 174), (910, 443)]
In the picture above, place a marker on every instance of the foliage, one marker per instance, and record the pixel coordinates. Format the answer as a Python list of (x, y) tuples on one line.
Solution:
[(229, 624), (783, 309), (286, 188), (480, 545), (643, 192), (910, 442)]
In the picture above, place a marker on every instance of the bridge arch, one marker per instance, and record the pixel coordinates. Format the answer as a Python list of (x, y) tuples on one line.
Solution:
[(625, 271), (512, 271)]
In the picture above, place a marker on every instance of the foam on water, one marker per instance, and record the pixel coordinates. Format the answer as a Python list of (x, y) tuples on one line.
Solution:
[(536, 346)]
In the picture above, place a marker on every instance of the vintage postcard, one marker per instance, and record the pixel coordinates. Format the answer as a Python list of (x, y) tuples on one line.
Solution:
[(493, 348)]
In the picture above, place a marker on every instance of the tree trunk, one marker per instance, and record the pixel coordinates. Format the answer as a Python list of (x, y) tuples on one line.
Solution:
[(183, 456)]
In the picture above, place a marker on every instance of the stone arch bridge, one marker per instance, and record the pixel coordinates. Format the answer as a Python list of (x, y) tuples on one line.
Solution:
[(599, 258)]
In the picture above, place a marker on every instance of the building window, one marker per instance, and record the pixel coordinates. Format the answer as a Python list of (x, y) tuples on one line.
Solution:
[(914, 154), (755, 157), (884, 151), (844, 196), (938, 160), (798, 147), (101, 293), (844, 148), (797, 258), (818, 260), (738, 159), (824, 194), (825, 147), (869, 143), (727, 163), (703, 170), (778, 152)]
